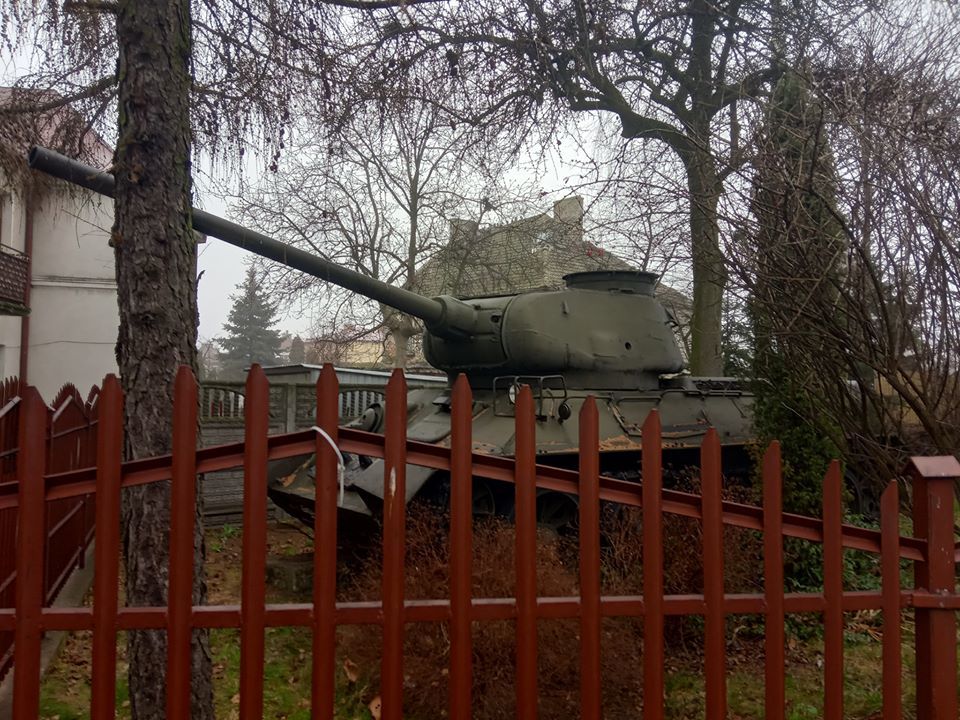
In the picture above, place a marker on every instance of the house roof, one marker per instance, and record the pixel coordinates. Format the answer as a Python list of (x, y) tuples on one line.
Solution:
[(509, 260), (60, 127), (529, 254)]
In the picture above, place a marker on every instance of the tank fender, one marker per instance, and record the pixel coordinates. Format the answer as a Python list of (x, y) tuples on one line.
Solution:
[(370, 479)]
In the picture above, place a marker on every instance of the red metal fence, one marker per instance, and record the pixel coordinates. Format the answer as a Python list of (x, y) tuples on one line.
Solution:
[(70, 440), (933, 600)]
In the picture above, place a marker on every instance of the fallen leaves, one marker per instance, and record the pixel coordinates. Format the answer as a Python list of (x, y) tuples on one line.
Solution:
[(351, 670)]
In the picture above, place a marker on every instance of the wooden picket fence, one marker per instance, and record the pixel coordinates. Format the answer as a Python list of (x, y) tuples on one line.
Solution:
[(933, 601), (70, 441)]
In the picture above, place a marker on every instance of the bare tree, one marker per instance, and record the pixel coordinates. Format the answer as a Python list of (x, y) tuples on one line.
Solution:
[(377, 194), (670, 74)]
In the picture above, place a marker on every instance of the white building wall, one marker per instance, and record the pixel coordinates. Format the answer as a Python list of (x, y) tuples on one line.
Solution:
[(73, 332), (71, 236), (9, 346), (73, 300)]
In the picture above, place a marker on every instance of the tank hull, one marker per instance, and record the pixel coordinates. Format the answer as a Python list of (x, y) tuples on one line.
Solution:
[(687, 407)]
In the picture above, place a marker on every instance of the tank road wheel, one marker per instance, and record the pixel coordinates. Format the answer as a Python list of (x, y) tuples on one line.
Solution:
[(489, 498), (484, 499), (556, 511)]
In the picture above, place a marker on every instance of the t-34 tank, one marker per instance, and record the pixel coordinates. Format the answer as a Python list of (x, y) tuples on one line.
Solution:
[(605, 334)]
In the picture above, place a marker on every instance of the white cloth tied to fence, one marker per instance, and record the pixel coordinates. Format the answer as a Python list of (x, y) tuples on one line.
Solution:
[(341, 466)]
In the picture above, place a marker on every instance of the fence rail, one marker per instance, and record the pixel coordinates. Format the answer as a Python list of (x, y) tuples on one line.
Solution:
[(934, 599), (222, 402)]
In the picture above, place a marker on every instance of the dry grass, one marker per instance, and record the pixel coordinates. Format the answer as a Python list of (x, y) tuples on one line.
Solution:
[(426, 647)]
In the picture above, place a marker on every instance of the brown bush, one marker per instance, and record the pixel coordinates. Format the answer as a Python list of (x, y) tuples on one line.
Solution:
[(427, 646)]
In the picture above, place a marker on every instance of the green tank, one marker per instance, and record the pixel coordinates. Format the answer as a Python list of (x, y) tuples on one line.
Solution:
[(605, 334)]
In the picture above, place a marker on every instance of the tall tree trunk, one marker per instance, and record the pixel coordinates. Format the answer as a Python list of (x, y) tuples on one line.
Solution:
[(401, 344), (709, 271), (156, 292), (402, 328)]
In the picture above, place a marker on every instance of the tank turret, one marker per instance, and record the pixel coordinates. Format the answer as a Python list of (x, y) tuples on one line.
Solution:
[(556, 332)]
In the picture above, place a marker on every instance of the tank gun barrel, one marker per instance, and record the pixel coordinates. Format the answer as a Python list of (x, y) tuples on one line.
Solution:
[(443, 316)]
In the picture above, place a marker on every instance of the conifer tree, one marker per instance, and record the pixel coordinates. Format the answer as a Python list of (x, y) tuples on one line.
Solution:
[(297, 350), (798, 247), (251, 337)]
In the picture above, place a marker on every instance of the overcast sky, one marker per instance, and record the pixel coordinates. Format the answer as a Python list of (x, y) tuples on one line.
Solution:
[(221, 267)]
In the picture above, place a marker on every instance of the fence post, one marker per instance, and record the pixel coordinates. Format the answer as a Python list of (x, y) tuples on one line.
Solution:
[(936, 647), (326, 483), (394, 546), (256, 414), (290, 404)]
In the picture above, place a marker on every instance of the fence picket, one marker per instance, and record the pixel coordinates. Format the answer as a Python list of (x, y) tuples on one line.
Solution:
[(715, 641), (461, 550), (71, 426), (253, 570), (323, 672), (526, 555), (773, 645), (106, 566), (182, 518), (890, 573), (88, 456), (833, 593), (590, 680), (30, 543), (67, 531), (652, 471), (394, 547)]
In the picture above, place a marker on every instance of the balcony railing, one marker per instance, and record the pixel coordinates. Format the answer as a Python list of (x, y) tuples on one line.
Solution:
[(14, 276)]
